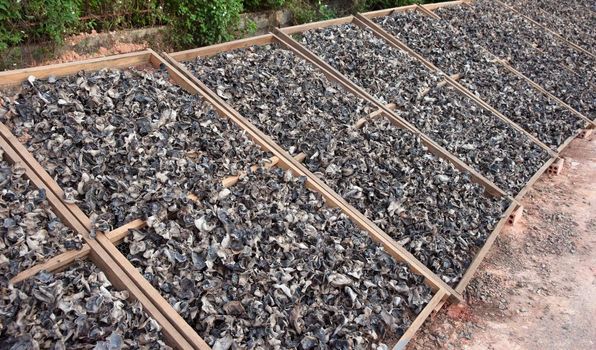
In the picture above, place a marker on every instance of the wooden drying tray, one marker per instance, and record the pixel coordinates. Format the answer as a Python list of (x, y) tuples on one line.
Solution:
[(117, 276), (313, 182), (428, 9), (548, 29), (60, 261), (134, 279), (105, 254), (366, 22)]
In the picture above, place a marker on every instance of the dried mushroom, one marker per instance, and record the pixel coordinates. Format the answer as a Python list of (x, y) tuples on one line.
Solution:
[(270, 266), (489, 29), (372, 169), (571, 21), (74, 309), (510, 158), (391, 75), (511, 95), (281, 94), (122, 143), (30, 232)]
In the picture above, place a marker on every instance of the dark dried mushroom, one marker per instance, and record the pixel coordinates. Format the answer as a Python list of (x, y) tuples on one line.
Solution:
[(74, 309), (281, 271), (30, 232), (125, 143)]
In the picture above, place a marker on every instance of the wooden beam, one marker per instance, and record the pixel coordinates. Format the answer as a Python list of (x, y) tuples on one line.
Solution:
[(14, 77), (227, 46), (360, 122), (99, 256), (61, 261), (316, 25)]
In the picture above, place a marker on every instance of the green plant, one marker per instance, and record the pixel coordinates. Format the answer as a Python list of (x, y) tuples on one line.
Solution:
[(253, 5), (55, 18), (203, 22), (9, 17), (304, 11)]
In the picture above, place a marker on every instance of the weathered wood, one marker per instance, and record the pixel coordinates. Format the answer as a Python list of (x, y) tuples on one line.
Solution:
[(427, 12), (387, 12), (316, 25), (214, 49), (360, 122), (14, 77), (314, 183), (437, 5), (98, 255), (419, 320)]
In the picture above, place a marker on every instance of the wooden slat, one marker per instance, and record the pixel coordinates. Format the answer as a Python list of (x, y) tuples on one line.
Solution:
[(437, 299), (437, 5), (316, 184), (98, 255), (387, 12), (13, 77), (214, 49), (360, 122), (60, 261), (427, 12), (347, 84), (316, 25)]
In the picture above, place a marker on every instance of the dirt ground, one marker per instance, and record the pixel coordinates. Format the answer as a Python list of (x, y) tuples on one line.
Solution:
[(537, 287)]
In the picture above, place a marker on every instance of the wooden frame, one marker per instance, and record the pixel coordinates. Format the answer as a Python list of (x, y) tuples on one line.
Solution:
[(431, 7), (176, 58), (117, 276), (178, 333), (548, 29), (103, 252)]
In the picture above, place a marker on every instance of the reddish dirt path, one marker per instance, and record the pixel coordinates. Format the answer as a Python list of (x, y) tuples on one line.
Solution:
[(537, 287)]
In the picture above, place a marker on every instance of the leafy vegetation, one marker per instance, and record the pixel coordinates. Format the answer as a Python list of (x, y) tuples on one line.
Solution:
[(191, 22)]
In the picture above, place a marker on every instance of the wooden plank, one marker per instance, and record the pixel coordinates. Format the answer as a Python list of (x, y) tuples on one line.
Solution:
[(98, 255), (314, 183), (347, 84), (419, 320), (360, 122), (427, 12), (315, 25), (13, 77), (437, 5), (60, 261), (387, 12), (214, 49), (485, 249)]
